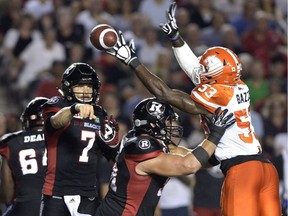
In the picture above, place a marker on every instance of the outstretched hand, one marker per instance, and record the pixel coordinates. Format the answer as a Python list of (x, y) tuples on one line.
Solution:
[(125, 53), (170, 27), (218, 124)]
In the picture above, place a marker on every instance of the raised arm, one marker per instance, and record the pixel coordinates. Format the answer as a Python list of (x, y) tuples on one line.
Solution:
[(156, 86), (187, 60)]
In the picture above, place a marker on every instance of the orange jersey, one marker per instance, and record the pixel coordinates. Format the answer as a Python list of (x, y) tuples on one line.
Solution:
[(240, 138)]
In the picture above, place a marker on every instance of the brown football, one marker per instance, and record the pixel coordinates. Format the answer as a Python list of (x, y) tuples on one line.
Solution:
[(103, 37)]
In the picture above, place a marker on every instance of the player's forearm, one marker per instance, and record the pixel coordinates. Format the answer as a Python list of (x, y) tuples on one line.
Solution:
[(61, 118), (200, 155), (159, 89), (154, 84)]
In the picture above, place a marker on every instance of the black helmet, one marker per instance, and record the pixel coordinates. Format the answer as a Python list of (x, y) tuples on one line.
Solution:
[(79, 73), (32, 115), (151, 116)]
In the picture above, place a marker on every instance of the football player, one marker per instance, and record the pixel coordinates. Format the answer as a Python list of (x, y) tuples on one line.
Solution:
[(216, 75), (149, 156), (77, 130), (24, 162)]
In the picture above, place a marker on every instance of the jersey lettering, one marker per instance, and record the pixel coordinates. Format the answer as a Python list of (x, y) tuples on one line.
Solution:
[(34, 138), (242, 98)]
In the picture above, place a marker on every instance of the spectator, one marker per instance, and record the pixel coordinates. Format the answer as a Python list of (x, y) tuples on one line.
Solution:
[(49, 86), (263, 42), (39, 56), (151, 47), (38, 8), (257, 84), (274, 123), (212, 35), (154, 11), (194, 40), (245, 20), (207, 192), (201, 12)]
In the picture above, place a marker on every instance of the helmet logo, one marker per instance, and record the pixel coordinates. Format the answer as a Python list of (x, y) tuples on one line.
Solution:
[(154, 108), (214, 64), (144, 144), (53, 100)]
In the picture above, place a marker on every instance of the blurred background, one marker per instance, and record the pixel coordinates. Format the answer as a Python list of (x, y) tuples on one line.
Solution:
[(40, 38)]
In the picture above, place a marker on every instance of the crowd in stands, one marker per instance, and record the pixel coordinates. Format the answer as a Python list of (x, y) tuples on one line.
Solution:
[(40, 38)]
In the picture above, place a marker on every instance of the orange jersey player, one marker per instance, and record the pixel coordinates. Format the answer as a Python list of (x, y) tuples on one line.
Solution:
[(251, 185)]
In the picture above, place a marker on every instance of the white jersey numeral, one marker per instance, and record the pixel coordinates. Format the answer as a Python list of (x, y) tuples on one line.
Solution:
[(90, 137), (208, 90), (28, 162)]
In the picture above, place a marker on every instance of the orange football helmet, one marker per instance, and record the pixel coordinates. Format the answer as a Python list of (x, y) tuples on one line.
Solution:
[(218, 65)]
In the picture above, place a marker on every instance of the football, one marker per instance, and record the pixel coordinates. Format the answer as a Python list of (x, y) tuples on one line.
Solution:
[(103, 37)]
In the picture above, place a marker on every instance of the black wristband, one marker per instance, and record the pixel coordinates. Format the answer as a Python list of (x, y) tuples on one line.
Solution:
[(134, 63), (201, 155), (214, 138), (73, 109)]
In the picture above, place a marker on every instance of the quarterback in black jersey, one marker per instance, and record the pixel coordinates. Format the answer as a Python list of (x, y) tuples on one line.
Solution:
[(149, 156), (24, 163), (77, 131)]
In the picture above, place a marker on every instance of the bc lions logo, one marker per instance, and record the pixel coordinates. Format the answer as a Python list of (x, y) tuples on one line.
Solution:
[(154, 108)]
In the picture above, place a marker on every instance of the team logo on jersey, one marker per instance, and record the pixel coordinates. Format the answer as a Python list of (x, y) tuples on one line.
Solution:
[(53, 100), (154, 108), (144, 144), (97, 120)]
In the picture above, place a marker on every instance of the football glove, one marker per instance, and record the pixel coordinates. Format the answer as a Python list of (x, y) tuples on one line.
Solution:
[(218, 124), (109, 133), (125, 53), (170, 27)]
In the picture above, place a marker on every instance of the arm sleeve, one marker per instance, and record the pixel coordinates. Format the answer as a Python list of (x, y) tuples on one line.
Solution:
[(186, 59)]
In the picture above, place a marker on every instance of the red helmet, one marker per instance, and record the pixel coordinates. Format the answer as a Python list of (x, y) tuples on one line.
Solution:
[(219, 65)]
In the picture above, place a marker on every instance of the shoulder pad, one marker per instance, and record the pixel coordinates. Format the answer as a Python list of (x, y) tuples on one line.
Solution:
[(55, 102), (7, 137), (143, 148)]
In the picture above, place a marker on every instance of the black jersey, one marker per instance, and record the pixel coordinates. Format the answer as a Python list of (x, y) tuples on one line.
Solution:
[(72, 152), (130, 193), (26, 156)]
